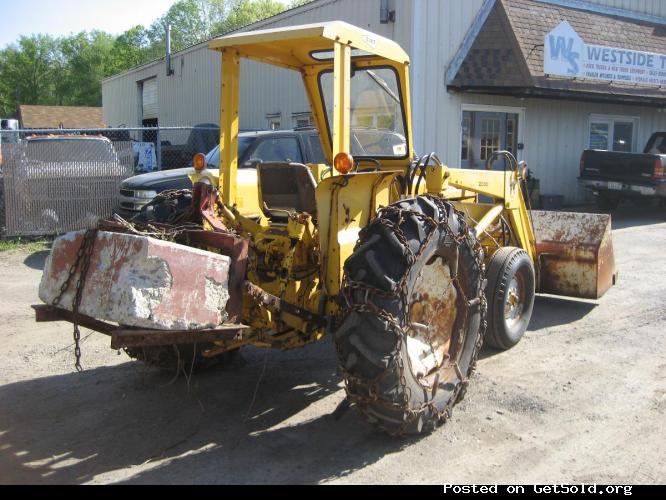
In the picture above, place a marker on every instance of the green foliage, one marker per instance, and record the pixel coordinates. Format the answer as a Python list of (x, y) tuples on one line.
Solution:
[(41, 69), (244, 12), (22, 245)]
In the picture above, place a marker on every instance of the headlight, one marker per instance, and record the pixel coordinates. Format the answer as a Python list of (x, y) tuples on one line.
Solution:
[(148, 195)]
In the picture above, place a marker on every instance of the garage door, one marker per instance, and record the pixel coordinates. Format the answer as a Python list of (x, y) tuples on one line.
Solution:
[(149, 99)]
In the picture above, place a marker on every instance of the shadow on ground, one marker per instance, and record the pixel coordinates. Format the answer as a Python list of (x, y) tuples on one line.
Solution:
[(550, 311), (71, 428), (629, 215), (37, 260)]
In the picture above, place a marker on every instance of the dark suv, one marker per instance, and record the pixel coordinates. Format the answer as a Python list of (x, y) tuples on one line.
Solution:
[(298, 146)]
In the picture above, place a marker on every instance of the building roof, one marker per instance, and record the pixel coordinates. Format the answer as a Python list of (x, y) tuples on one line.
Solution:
[(507, 56), (37, 117)]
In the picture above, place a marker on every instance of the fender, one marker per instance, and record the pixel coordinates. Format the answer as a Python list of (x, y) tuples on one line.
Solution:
[(345, 204)]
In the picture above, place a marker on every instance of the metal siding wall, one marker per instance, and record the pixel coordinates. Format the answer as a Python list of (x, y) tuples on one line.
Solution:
[(120, 96), (191, 95), (651, 7), (439, 30), (556, 133)]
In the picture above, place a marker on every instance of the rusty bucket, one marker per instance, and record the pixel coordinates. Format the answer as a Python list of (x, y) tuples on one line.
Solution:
[(574, 253)]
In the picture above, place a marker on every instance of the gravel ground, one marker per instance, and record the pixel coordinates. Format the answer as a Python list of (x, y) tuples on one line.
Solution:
[(581, 399)]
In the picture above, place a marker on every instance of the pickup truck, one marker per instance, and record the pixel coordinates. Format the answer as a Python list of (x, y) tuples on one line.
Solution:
[(614, 176), (202, 138), (300, 146)]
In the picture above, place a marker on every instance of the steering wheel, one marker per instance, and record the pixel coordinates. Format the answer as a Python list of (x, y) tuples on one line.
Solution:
[(377, 165)]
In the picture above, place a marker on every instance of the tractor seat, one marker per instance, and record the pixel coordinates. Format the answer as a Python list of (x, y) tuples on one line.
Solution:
[(286, 187)]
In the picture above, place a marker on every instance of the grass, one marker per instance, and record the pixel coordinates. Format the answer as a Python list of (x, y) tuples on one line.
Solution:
[(24, 245)]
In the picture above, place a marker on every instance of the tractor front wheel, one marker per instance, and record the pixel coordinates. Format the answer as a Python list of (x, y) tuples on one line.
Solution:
[(413, 318), (510, 293)]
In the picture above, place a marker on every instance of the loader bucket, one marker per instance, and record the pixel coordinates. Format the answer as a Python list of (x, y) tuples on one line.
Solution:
[(574, 253)]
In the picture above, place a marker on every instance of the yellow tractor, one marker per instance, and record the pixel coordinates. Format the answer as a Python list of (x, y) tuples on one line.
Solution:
[(407, 263)]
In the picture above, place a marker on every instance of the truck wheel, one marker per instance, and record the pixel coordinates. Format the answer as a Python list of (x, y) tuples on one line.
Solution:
[(510, 295), (607, 202), (412, 324)]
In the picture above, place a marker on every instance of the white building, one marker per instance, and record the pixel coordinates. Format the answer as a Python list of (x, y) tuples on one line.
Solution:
[(478, 79)]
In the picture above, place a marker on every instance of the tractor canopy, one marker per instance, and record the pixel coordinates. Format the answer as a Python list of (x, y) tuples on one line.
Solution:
[(357, 84)]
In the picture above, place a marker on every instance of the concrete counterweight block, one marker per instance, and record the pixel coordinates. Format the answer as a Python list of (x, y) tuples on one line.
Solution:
[(142, 282)]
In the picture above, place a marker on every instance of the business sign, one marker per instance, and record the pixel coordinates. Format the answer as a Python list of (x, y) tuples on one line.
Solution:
[(566, 54)]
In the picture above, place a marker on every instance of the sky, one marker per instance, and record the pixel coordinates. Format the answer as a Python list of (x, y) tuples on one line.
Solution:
[(62, 17)]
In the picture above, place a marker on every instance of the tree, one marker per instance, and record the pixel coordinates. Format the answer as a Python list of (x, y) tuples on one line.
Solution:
[(41, 69), (129, 50), (88, 59), (27, 70), (191, 21), (245, 12)]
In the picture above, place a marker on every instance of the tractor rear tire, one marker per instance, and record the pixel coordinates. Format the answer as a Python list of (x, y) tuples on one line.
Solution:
[(510, 294), (399, 270)]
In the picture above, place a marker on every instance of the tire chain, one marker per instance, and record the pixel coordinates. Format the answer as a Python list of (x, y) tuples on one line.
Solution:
[(400, 292), (81, 265)]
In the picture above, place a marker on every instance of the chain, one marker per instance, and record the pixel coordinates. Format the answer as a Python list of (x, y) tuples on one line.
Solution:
[(81, 265), (392, 218)]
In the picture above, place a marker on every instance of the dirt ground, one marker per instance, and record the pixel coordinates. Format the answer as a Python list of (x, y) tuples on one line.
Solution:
[(581, 399)]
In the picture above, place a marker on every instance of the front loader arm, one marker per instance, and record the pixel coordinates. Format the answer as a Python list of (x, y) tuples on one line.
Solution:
[(504, 188)]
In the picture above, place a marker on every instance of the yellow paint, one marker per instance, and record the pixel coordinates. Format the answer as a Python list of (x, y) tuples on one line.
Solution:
[(297, 259), (229, 118)]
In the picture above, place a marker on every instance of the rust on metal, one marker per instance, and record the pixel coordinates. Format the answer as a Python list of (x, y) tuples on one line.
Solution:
[(432, 315), (575, 253), (46, 314), (144, 338), (236, 249), (275, 304), (121, 337)]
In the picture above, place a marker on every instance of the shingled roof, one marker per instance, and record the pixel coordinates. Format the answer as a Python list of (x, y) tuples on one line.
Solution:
[(507, 56), (37, 117)]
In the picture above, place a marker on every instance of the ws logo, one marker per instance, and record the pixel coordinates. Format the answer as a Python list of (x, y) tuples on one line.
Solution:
[(563, 51)]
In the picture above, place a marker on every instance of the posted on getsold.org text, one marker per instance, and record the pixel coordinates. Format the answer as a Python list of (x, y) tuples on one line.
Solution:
[(536, 489)]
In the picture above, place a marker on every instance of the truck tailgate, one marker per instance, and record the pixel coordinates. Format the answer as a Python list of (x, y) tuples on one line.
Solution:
[(635, 168)]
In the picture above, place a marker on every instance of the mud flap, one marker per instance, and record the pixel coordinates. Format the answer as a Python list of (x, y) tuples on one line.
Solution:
[(574, 253)]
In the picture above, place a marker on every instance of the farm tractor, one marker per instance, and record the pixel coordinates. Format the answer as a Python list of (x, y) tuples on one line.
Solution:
[(407, 264)]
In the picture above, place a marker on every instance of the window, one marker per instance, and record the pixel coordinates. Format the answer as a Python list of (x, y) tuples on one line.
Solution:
[(511, 127), (302, 120), (376, 112), (623, 135), (466, 133), (281, 149), (274, 121), (490, 137), (316, 149), (609, 133), (213, 157), (599, 135)]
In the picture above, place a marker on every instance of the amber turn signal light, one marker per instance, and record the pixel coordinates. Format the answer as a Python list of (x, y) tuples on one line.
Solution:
[(343, 163), (199, 162)]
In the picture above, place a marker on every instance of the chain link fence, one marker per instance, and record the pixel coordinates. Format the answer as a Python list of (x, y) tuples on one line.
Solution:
[(54, 181)]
